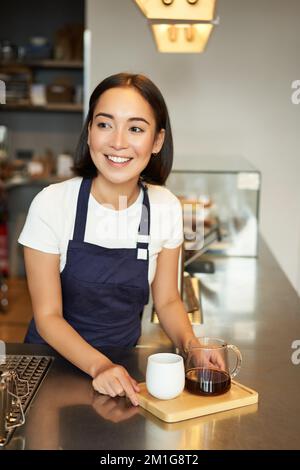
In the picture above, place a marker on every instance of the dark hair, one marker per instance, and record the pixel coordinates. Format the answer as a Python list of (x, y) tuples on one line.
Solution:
[(159, 167)]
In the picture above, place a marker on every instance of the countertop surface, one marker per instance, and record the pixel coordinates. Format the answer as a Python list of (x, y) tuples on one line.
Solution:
[(248, 302)]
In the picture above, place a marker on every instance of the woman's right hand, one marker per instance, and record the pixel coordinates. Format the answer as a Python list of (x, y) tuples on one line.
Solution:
[(114, 381)]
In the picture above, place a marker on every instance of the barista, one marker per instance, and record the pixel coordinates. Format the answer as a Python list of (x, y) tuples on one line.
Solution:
[(94, 244)]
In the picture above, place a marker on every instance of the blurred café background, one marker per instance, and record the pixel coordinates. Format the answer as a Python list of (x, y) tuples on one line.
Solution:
[(230, 83)]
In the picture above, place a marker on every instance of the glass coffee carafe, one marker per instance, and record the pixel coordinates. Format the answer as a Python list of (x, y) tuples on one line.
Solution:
[(207, 369)]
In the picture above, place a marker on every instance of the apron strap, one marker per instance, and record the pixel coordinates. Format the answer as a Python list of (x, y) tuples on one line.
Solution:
[(82, 209), (144, 227)]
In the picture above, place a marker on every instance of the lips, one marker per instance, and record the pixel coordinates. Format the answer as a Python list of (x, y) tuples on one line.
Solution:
[(118, 161)]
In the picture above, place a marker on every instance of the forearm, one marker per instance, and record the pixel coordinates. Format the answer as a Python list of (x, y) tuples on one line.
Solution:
[(64, 339), (176, 324)]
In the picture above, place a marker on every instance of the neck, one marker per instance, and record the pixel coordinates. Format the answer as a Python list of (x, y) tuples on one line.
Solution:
[(106, 192)]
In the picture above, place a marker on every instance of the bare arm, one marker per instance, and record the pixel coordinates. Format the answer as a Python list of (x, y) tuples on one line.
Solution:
[(44, 285), (168, 304)]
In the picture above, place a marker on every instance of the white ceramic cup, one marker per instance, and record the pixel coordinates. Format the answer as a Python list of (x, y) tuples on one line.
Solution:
[(165, 378)]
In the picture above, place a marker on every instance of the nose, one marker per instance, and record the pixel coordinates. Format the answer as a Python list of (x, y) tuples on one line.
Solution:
[(119, 140)]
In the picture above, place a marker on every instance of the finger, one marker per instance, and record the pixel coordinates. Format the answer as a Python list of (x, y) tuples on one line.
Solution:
[(98, 388), (217, 362), (129, 389), (135, 384), (106, 389), (220, 362), (117, 387)]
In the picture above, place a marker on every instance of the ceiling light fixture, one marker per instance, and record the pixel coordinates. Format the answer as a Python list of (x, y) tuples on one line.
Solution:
[(178, 9), (180, 26)]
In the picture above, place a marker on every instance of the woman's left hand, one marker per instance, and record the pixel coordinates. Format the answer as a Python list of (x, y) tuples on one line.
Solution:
[(198, 357)]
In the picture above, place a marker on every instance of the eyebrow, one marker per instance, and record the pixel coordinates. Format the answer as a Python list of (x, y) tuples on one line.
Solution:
[(110, 116)]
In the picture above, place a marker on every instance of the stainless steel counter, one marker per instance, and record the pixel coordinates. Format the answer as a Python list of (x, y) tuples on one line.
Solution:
[(248, 302)]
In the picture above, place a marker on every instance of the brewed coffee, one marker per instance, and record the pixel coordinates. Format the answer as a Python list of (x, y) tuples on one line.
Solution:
[(203, 381)]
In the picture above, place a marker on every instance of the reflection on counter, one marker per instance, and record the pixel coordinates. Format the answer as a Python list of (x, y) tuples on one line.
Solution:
[(196, 433)]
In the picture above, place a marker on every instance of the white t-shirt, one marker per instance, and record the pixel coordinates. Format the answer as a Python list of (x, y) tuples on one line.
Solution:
[(50, 222)]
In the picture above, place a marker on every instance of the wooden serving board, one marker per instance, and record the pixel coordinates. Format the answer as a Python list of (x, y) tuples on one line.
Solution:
[(188, 405)]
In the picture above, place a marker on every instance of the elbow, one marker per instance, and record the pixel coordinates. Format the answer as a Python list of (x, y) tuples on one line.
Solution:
[(44, 325), (41, 328), (167, 303)]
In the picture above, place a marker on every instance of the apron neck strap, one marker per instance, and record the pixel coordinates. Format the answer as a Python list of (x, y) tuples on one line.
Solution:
[(81, 211), (144, 227)]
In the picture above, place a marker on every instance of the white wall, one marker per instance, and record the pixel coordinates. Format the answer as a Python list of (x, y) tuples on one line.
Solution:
[(234, 99)]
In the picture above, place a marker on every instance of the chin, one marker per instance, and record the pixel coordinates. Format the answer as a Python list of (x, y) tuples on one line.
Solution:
[(116, 178)]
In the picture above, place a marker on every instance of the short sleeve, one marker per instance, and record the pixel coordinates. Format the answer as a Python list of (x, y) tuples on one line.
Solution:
[(41, 230), (175, 219)]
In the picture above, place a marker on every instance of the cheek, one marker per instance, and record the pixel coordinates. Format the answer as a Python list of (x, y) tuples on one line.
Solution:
[(97, 140), (143, 146)]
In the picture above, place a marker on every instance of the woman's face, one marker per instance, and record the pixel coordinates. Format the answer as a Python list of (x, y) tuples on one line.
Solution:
[(122, 135)]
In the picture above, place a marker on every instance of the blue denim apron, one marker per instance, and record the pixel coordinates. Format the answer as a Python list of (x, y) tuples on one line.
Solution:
[(104, 290)]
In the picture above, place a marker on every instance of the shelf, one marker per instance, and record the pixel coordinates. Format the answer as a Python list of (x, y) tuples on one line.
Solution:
[(61, 107), (47, 64), (20, 180)]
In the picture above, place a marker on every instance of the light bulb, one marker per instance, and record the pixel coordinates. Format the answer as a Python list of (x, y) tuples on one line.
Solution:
[(173, 33), (189, 33)]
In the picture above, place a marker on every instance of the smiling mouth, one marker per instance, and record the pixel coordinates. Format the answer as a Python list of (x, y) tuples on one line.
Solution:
[(118, 161)]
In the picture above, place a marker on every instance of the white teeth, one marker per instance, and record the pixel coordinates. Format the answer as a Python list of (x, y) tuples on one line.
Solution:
[(117, 159)]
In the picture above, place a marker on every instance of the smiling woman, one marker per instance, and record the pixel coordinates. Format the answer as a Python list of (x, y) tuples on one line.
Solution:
[(124, 140), (91, 253)]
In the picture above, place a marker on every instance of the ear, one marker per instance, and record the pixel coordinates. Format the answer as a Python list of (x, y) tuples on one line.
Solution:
[(159, 141)]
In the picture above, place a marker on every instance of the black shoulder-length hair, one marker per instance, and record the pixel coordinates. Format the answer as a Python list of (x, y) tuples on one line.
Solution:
[(159, 167)]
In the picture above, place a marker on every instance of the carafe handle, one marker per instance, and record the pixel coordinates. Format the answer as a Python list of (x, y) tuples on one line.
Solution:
[(238, 363)]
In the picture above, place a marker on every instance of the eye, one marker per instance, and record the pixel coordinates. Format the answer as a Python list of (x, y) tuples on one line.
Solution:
[(136, 130), (102, 125)]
